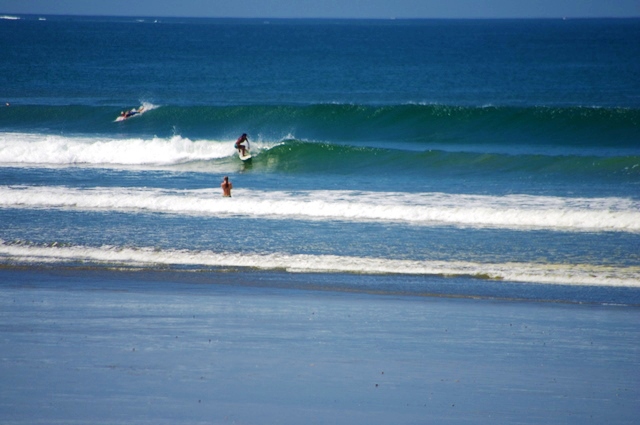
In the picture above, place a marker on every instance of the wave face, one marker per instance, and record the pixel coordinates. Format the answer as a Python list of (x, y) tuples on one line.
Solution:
[(291, 155), (416, 126)]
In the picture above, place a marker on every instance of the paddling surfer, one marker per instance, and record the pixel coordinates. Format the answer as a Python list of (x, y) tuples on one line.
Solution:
[(132, 112), (226, 187)]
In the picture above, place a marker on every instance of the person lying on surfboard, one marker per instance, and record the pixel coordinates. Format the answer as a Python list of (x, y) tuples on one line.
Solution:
[(129, 114), (239, 143), (135, 111)]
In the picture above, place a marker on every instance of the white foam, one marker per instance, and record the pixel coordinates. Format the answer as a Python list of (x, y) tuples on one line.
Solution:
[(427, 209), (565, 274), (36, 149)]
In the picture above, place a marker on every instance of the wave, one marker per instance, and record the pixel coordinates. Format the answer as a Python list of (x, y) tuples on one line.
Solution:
[(420, 126), (149, 257), (519, 212), (296, 156), (304, 157)]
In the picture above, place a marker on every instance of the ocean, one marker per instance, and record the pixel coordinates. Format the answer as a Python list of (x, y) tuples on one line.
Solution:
[(491, 158)]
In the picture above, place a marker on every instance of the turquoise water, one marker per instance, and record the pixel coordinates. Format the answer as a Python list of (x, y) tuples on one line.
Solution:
[(461, 155)]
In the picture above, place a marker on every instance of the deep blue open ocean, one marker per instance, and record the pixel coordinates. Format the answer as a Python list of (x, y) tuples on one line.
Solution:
[(496, 158)]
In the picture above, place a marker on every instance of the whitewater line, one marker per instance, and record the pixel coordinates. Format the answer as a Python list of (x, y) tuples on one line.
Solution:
[(147, 257), (425, 209)]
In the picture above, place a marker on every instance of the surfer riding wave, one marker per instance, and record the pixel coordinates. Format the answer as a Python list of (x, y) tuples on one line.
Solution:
[(239, 144)]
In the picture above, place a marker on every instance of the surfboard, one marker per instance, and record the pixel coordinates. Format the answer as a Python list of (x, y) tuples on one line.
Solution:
[(247, 154)]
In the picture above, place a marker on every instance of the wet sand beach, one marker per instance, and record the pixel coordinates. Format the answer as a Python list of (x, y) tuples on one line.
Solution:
[(113, 348)]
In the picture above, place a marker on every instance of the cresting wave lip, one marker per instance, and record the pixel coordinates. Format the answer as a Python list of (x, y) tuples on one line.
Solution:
[(519, 212), (147, 257)]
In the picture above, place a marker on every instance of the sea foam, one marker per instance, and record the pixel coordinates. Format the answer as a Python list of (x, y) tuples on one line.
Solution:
[(520, 212), (148, 257), (25, 148)]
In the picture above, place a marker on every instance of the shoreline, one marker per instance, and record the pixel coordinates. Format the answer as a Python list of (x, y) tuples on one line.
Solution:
[(398, 285)]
